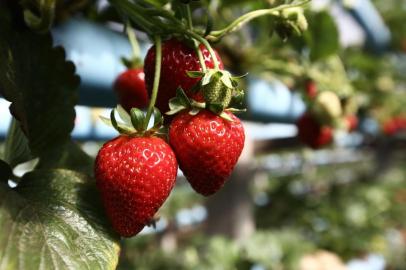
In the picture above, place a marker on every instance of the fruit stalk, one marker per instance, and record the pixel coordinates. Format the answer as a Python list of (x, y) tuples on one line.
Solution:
[(158, 58), (196, 45), (206, 44), (239, 22), (133, 40)]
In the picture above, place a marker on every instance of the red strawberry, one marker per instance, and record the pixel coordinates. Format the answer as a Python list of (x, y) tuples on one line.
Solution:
[(390, 127), (135, 176), (130, 89), (311, 89), (312, 133), (177, 58), (394, 125), (207, 148), (352, 122)]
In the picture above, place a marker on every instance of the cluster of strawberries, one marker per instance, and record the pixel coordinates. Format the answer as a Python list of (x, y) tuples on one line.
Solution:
[(394, 125), (136, 171), (316, 126)]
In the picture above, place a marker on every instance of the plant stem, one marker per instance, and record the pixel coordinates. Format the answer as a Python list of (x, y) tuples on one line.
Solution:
[(290, 68), (133, 41), (206, 44), (157, 75), (196, 45), (129, 9), (241, 21)]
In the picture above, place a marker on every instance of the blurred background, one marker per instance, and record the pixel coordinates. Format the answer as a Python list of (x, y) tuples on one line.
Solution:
[(286, 205)]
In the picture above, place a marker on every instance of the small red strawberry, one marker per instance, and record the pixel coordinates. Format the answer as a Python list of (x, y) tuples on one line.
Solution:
[(207, 148), (394, 125), (130, 89), (312, 133), (389, 127), (352, 122), (177, 59), (135, 172), (311, 89)]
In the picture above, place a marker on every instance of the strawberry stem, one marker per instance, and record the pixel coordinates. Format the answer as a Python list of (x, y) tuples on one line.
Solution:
[(196, 45), (157, 75), (207, 45), (133, 40), (241, 21)]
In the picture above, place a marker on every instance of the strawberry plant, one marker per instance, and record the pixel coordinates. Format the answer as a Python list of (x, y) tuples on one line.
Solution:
[(69, 211)]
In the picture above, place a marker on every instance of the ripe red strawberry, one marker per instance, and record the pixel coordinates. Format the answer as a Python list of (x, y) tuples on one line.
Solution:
[(134, 176), (311, 89), (130, 89), (177, 58), (312, 133), (389, 127), (207, 148), (394, 125), (352, 122)]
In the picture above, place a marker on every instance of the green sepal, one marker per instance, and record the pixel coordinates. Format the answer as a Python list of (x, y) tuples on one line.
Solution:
[(237, 99), (116, 126), (137, 119), (194, 111), (162, 131), (108, 122), (207, 77), (179, 102), (227, 80), (195, 74), (134, 123), (131, 63), (239, 76), (217, 108), (158, 118), (225, 116), (235, 110), (124, 115)]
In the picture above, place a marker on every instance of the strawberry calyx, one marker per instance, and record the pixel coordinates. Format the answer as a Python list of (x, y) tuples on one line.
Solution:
[(132, 63), (216, 85), (134, 123), (182, 102)]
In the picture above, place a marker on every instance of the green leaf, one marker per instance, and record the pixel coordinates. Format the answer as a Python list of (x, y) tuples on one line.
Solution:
[(16, 146), (40, 83), (322, 36), (68, 156), (43, 22), (54, 220)]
